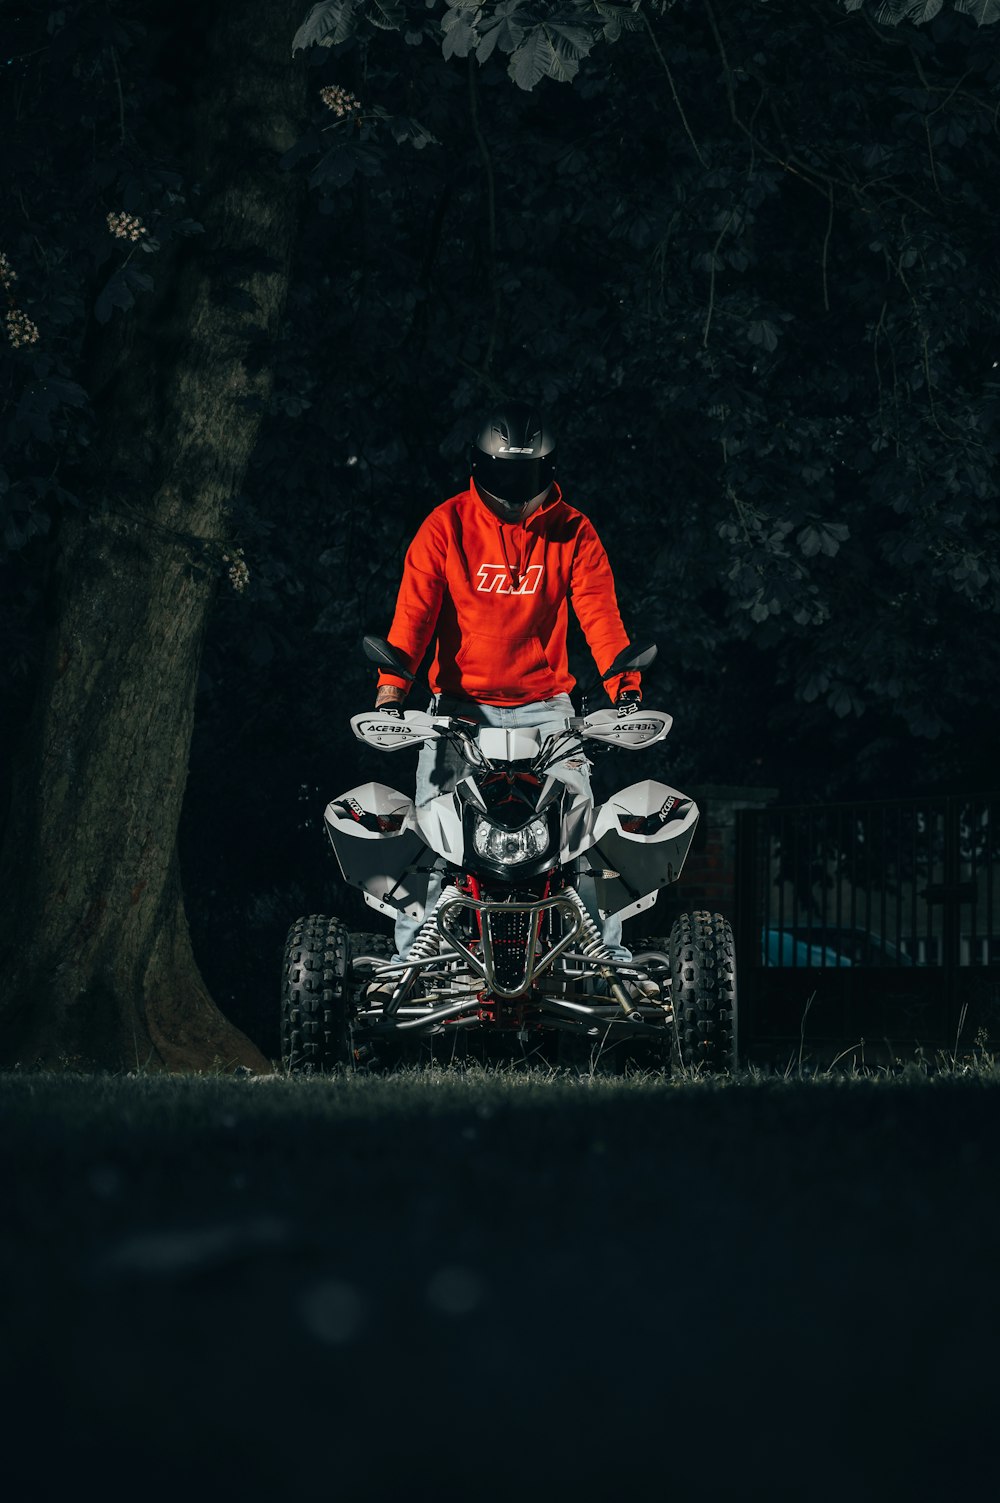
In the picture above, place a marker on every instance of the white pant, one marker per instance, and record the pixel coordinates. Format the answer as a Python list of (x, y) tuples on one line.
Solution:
[(440, 766)]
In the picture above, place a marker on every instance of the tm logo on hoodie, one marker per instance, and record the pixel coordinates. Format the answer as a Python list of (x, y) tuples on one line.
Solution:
[(494, 579)]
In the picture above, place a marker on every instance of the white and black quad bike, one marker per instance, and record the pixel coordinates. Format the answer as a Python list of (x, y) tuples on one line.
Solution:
[(509, 950)]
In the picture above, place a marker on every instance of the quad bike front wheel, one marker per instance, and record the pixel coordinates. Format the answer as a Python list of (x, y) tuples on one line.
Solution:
[(315, 1001), (703, 992)]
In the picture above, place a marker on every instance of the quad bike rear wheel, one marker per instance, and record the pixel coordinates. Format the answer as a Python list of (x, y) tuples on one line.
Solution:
[(703, 992), (315, 999)]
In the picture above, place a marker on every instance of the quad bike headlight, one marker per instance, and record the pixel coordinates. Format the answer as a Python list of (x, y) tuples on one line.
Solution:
[(510, 847)]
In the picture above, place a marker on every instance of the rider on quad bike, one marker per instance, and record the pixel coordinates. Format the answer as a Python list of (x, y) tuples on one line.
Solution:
[(489, 577)]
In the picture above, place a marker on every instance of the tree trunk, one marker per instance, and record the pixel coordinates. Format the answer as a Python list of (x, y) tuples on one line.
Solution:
[(96, 966)]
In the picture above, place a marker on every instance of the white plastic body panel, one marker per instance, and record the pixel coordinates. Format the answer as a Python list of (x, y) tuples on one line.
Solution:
[(440, 825), (632, 864), (509, 746), (391, 867)]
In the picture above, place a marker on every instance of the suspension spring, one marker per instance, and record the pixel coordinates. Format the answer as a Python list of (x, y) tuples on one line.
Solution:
[(428, 940), (596, 950), (426, 944), (592, 944)]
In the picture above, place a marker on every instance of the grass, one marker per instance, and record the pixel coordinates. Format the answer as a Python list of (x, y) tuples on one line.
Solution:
[(502, 1284)]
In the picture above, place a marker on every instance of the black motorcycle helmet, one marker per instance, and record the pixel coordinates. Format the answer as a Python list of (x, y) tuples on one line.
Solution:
[(514, 457)]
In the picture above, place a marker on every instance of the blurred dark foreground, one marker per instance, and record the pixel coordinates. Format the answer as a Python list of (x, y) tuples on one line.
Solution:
[(498, 1286)]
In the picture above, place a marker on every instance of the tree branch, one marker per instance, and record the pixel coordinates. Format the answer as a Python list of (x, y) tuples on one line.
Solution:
[(813, 177), (491, 245), (711, 283), (826, 247), (121, 100), (673, 89)]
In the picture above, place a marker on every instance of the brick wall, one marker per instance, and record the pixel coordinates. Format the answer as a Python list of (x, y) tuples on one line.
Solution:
[(709, 876)]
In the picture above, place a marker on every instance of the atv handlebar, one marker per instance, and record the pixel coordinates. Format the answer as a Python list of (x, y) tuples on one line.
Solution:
[(634, 730)]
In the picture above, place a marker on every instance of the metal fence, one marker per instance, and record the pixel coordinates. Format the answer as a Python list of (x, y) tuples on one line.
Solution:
[(875, 921)]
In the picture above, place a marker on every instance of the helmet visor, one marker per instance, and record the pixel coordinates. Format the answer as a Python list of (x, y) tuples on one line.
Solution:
[(514, 481)]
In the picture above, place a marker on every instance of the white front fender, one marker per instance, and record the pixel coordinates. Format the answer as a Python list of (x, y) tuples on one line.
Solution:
[(640, 842), (379, 848)]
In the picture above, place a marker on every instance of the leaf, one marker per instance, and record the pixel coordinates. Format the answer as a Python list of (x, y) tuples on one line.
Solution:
[(139, 280), (809, 541), (486, 44), (384, 15), (327, 25), (762, 332), (114, 294), (531, 60), (983, 12), (509, 36), (13, 536), (822, 537), (577, 40), (891, 12), (619, 18), (68, 393), (404, 128), (459, 35), (840, 701), (339, 165), (815, 685), (500, 30), (540, 57), (306, 146), (563, 66)]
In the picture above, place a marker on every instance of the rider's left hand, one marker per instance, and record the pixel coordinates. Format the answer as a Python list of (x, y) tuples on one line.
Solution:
[(627, 701)]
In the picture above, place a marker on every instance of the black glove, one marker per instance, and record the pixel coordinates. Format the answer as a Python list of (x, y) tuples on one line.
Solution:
[(393, 707), (628, 701)]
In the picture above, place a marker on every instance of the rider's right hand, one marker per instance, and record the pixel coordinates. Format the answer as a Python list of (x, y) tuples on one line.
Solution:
[(389, 700)]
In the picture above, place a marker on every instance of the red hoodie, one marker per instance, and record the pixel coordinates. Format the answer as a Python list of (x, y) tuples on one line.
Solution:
[(496, 593)]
